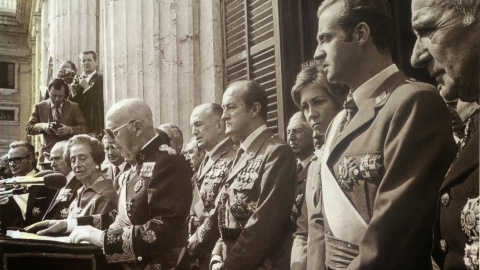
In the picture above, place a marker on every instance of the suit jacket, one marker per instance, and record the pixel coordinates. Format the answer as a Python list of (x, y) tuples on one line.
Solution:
[(42, 113), (60, 209), (254, 209), (457, 208), (93, 108), (156, 202), (401, 141), (308, 251)]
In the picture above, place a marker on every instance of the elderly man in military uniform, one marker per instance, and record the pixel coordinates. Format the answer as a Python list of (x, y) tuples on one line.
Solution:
[(448, 44), (255, 204), (208, 129), (386, 153), (150, 230), (59, 207)]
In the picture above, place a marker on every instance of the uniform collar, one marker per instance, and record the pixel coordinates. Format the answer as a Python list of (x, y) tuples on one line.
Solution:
[(149, 148), (306, 161), (249, 140), (366, 90), (214, 150)]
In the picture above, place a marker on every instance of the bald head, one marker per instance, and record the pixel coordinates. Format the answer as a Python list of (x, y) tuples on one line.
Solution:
[(130, 109), (130, 121)]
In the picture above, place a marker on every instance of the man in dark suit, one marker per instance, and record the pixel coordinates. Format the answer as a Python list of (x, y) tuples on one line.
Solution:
[(57, 119), (255, 204), (208, 129), (447, 43), (59, 207), (92, 84), (385, 153), (24, 209)]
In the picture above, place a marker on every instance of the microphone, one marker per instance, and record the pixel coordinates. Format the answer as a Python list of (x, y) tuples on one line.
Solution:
[(15, 191), (51, 180)]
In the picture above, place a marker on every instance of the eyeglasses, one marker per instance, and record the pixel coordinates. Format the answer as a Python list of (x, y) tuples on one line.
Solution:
[(15, 160), (113, 132)]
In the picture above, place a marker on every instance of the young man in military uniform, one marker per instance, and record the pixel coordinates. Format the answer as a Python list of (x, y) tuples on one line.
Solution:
[(385, 153), (453, 58), (255, 204), (59, 208), (150, 229), (209, 130)]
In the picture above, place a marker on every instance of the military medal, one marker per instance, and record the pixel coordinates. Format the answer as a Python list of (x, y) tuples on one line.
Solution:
[(470, 220), (138, 186), (36, 211), (370, 166), (128, 206), (147, 169), (344, 179)]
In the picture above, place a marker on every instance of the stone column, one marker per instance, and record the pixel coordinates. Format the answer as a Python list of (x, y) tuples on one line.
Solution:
[(73, 28), (166, 52)]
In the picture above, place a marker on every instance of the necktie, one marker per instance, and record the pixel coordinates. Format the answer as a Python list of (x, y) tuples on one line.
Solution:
[(238, 155), (299, 168), (57, 114), (350, 109), (116, 172)]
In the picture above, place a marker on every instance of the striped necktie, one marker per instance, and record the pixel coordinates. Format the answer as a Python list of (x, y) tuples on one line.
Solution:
[(57, 115)]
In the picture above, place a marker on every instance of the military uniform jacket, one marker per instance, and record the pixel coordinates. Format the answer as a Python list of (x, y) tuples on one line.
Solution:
[(308, 250), (255, 206), (209, 180), (59, 209), (456, 234), (157, 202), (389, 162)]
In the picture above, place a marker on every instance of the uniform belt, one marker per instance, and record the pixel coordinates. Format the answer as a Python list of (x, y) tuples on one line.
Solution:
[(339, 253), (230, 234)]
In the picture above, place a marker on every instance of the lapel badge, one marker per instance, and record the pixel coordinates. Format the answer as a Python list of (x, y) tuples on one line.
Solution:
[(344, 178), (147, 169), (370, 166), (36, 211), (64, 213), (380, 98), (138, 186), (470, 218)]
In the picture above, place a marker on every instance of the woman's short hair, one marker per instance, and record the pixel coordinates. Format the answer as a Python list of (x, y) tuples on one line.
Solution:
[(96, 148), (312, 73)]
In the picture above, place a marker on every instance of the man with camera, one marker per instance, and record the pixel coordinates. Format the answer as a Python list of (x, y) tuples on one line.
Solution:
[(56, 118), (68, 73)]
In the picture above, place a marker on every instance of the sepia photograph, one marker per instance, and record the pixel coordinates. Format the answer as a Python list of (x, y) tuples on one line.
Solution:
[(239, 134)]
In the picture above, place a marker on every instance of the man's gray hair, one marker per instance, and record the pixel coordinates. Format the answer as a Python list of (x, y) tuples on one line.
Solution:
[(469, 9)]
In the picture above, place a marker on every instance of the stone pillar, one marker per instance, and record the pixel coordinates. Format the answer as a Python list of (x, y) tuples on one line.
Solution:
[(73, 28), (166, 52)]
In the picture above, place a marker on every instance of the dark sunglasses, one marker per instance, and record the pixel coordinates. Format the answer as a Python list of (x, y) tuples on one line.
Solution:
[(113, 132), (15, 160)]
